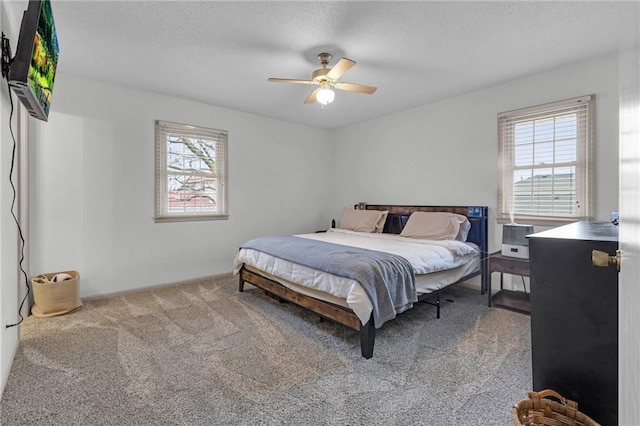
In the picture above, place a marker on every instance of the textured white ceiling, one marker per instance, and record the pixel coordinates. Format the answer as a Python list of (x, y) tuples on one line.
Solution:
[(222, 52)]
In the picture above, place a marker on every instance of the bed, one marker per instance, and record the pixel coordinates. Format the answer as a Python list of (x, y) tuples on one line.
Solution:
[(329, 272)]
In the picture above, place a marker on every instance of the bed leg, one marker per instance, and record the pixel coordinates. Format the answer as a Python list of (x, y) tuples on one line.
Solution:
[(485, 277), (438, 305), (240, 282), (367, 338)]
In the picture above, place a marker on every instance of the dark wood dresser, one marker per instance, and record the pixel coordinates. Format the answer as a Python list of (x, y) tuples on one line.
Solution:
[(574, 317)]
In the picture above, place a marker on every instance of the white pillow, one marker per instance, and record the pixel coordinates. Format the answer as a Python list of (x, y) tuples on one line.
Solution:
[(381, 221), (363, 220), (437, 226), (465, 226)]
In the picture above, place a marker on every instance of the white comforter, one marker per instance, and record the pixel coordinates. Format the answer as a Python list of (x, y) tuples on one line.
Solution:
[(425, 257)]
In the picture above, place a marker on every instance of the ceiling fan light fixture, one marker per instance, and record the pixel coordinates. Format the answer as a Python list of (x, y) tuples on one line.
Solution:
[(325, 96), (327, 79)]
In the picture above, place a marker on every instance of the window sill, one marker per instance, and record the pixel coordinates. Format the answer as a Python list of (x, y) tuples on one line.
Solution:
[(540, 221), (188, 218)]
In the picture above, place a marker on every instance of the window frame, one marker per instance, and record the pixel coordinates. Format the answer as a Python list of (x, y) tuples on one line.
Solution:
[(584, 176), (165, 129)]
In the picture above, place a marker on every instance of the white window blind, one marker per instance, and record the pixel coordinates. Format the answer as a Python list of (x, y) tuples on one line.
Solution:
[(546, 163), (191, 172)]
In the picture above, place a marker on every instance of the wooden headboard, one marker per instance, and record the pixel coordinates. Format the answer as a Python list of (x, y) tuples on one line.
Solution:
[(477, 215)]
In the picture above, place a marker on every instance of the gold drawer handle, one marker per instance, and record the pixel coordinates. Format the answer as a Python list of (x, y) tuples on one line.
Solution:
[(602, 259)]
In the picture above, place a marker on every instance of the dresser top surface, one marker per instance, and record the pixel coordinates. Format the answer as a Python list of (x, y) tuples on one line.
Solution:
[(587, 231)]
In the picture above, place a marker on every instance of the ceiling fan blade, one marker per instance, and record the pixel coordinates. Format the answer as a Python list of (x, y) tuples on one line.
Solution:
[(291, 80), (340, 68), (360, 88), (312, 97)]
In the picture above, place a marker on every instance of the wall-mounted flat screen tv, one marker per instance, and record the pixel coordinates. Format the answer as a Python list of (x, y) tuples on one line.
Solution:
[(33, 68)]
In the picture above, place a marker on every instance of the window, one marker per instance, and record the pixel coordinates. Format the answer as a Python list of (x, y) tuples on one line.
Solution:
[(547, 164), (191, 173)]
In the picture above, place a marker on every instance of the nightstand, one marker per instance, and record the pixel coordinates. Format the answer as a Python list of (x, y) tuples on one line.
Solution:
[(513, 300)]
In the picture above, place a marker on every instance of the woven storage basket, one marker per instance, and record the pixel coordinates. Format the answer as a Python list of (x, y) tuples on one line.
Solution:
[(51, 299), (539, 410)]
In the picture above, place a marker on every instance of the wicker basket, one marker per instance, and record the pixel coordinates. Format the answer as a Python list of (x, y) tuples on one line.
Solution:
[(539, 410), (51, 299)]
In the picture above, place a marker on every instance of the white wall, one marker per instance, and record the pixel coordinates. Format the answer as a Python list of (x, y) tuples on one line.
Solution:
[(445, 153), (11, 283), (92, 188)]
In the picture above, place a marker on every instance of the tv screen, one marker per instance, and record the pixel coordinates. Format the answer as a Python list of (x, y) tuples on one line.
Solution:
[(33, 68)]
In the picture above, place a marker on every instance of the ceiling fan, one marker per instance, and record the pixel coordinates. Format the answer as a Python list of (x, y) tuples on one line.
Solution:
[(327, 78)]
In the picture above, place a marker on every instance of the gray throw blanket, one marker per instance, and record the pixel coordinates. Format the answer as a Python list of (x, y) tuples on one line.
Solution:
[(387, 279)]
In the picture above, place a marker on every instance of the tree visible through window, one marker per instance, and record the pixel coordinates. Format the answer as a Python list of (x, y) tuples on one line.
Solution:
[(546, 162), (190, 172)]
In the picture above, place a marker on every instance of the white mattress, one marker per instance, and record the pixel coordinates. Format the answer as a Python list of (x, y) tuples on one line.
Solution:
[(436, 263)]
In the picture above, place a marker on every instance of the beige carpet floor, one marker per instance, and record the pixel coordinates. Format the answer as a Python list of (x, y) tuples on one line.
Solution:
[(204, 354)]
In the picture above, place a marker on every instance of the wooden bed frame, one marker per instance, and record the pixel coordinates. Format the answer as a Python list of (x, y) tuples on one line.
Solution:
[(396, 219)]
